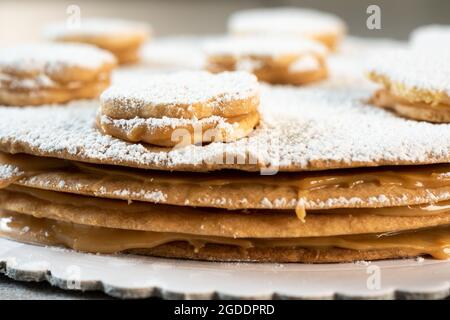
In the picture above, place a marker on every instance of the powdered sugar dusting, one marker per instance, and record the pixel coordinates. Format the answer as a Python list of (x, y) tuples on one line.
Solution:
[(264, 46), (52, 58), (301, 129), (164, 122), (182, 88), (436, 36), (415, 69), (40, 81), (155, 196), (284, 20)]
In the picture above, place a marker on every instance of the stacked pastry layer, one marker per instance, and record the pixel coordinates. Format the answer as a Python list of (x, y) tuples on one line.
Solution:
[(325, 178)]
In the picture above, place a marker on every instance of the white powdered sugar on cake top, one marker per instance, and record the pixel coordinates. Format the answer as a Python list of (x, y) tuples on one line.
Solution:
[(436, 36), (96, 27), (181, 88), (284, 20), (421, 69), (264, 46), (301, 129), (52, 58)]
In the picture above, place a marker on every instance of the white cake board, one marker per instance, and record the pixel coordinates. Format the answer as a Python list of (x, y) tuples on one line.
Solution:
[(127, 276)]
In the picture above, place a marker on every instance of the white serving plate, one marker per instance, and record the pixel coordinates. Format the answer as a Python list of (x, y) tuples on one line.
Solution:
[(127, 276)]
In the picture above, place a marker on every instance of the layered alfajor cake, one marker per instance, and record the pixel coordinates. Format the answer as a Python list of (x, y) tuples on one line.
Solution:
[(324, 177)]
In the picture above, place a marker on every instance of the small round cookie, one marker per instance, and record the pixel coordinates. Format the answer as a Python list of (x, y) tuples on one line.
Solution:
[(323, 27), (276, 60), (181, 108), (431, 36), (39, 74), (121, 37), (415, 84)]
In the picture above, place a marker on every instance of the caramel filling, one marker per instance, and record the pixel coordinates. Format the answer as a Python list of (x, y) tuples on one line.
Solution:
[(412, 177), (384, 98), (432, 241), (288, 69)]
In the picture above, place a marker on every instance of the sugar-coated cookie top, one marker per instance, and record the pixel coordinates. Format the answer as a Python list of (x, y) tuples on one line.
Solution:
[(285, 20), (425, 70), (182, 88), (301, 129), (432, 35), (96, 27), (264, 46), (51, 58)]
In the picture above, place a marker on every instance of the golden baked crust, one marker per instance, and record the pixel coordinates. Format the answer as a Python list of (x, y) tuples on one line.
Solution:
[(205, 130), (211, 222), (215, 252)]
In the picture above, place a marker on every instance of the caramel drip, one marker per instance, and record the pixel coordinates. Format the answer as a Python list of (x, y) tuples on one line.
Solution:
[(300, 208), (432, 241)]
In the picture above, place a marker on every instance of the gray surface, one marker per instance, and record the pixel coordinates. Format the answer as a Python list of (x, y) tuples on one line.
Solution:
[(17, 290)]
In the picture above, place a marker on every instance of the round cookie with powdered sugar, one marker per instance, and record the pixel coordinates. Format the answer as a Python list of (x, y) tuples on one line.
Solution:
[(182, 107), (276, 60), (435, 36), (415, 84), (324, 27), (38, 74), (121, 37)]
